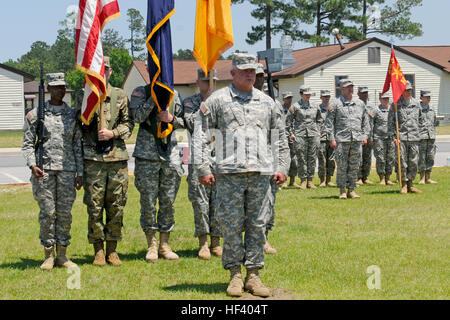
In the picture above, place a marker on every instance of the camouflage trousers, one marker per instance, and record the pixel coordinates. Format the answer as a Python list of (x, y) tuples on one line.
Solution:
[(203, 201), (326, 161), (409, 159), (384, 152), (55, 194), (306, 150), (427, 152), (348, 158), (157, 180), (293, 169), (105, 188), (243, 205), (366, 161)]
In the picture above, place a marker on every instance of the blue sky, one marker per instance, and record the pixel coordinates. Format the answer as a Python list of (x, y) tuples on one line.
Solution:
[(25, 21)]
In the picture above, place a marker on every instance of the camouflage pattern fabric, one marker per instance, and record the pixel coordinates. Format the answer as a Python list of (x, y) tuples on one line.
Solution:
[(105, 188), (409, 159), (384, 152), (55, 194), (366, 162), (348, 158), (306, 151), (325, 155), (427, 152)]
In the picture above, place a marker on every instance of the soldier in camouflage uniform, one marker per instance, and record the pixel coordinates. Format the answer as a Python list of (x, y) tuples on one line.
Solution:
[(366, 160), (289, 119), (202, 197), (347, 126), (306, 132), (54, 185), (427, 147), (410, 124), (158, 169), (384, 148), (325, 152), (106, 172), (243, 118)]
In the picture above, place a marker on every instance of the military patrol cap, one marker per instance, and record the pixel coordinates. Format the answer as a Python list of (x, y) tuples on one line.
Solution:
[(243, 61), (56, 79), (363, 89), (107, 62), (345, 83), (324, 93), (425, 93), (408, 85), (287, 94), (384, 95), (305, 90), (260, 68), (201, 74)]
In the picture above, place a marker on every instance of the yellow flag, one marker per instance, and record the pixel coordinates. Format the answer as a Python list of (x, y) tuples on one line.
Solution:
[(213, 31)]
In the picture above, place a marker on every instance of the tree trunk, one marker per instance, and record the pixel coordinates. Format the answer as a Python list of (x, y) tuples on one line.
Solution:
[(268, 28), (364, 30), (318, 27)]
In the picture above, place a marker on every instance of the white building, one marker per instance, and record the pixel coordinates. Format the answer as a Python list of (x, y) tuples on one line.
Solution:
[(364, 62), (12, 104)]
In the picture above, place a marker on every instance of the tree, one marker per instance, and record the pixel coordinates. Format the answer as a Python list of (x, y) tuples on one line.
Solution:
[(111, 40), (137, 32), (184, 55), (120, 63)]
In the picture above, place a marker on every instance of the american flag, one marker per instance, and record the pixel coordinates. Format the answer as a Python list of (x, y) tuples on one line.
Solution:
[(93, 15)]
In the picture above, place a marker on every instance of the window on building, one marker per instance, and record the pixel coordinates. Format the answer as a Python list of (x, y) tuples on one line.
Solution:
[(374, 55), (336, 84), (412, 78)]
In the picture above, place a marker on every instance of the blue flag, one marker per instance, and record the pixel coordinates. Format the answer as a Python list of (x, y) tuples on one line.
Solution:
[(160, 64)]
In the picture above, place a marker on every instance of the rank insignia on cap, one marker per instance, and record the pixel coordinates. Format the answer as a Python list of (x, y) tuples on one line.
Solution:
[(30, 116), (203, 108)]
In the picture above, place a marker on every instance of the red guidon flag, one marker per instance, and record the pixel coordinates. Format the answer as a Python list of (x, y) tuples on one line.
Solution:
[(92, 18), (395, 78)]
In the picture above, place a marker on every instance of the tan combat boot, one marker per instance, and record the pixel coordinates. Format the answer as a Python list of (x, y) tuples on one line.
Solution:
[(254, 285), (49, 261), (411, 189), (329, 183), (367, 181), (303, 185), (404, 189), (99, 259), (310, 184), (422, 178), (388, 181), (428, 179), (322, 182), (61, 259), (236, 286), (152, 243), (164, 249), (343, 194), (292, 182), (359, 182), (204, 252), (267, 247), (215, 248), (111, 255), (352, 194), (382, 180)]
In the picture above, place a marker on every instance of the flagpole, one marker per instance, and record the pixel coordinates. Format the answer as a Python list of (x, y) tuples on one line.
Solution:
[(398, 147)]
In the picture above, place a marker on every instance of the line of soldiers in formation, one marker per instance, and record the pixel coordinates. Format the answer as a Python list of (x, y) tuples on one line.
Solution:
[(74, 157)]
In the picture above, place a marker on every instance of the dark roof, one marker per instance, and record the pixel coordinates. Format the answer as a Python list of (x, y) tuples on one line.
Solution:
[(26, 76), (185, 71), (33, 87)]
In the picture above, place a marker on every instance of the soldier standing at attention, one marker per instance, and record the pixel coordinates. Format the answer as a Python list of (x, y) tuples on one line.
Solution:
[(366, 163), (410, 124), (203, 198), (106, 171), (245, 118), (158, 169), (326, 161), (306, 136), (427, 147), (54, 185), (384, 148), (289, 119), (347, 126)]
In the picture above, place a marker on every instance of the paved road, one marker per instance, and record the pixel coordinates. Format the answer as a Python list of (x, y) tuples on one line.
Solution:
[(13, 168)]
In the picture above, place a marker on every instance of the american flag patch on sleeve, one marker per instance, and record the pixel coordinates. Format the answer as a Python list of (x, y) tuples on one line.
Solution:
[(30, 116)]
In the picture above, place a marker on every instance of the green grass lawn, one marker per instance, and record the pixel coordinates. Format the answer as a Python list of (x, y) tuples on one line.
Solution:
[(325, 246), (11, 139), (443, 130)]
